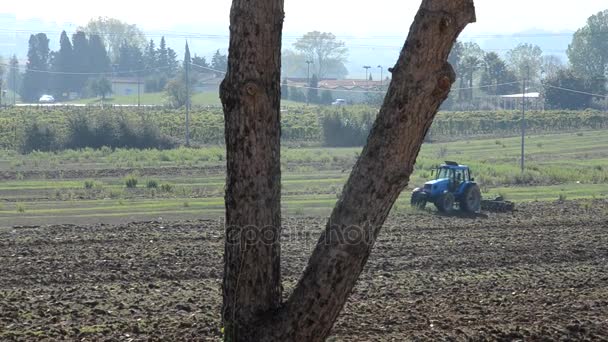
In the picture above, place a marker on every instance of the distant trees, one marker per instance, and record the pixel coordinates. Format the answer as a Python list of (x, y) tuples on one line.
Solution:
[(495, 74), (104, 48), (2, 72), (114, 33), (14, 76), (325, 50), (219, 62), (100, 87), (588, 52), (558, 99), (36, 79), (160, 65), (526, 61), (179, 89), (466, 58), (130, 60)]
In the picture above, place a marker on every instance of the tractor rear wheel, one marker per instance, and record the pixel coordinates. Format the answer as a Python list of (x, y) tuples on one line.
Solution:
[(445, 203), (471, 199)]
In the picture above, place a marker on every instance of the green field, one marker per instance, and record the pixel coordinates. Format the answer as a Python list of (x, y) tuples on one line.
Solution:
[(159, 99), (41, 188), (154, 99)]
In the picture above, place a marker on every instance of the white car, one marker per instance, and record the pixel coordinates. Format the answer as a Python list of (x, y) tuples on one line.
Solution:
[(46, 99), (339, 102)]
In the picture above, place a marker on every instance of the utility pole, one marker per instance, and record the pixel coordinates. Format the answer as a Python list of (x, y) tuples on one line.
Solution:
[(366, 67), (138, 89), (187, 103), (15, 71), (523, 119), (381, 80), (308, 62)]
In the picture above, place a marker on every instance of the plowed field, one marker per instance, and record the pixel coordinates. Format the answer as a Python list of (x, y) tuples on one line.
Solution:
[(540, 273)]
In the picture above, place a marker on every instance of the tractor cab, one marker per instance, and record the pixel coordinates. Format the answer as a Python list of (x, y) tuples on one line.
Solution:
[(452, 184), (455, 175)]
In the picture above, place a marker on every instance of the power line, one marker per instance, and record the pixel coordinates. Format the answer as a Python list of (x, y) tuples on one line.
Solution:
[(82, 73), (575, 91), (207, 68)]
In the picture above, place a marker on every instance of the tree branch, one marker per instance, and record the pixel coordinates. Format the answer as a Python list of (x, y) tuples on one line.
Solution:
[(422, 79)]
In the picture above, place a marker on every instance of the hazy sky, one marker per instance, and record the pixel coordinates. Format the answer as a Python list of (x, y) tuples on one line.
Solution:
[(343, 17)]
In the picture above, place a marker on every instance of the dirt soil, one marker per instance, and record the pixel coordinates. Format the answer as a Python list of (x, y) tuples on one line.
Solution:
[(538, 274)]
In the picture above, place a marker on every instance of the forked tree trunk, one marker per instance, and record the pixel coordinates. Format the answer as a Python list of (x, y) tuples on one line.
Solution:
[(421, 81)]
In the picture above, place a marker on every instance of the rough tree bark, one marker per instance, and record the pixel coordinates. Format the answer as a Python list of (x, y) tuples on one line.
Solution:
[(421, 81), (250, 95)]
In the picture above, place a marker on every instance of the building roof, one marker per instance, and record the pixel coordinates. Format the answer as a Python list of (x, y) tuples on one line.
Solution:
[(527, 95), (334, 84), (126, 80)]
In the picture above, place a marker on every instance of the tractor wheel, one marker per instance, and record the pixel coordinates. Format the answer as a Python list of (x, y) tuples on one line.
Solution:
[(445, 203), (418, 200), (471, 199)]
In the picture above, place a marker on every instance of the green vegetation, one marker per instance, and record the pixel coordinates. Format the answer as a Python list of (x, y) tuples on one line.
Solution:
[(23, 128), (190, 181), (131, 182)]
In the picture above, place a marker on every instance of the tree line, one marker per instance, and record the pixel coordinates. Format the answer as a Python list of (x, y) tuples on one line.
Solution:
[(102, 49), (489, 74)]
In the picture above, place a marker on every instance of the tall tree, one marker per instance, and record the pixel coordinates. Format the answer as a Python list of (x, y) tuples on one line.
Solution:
[(323, 49), (62, 63), (495, 76), (81, 60), (526, 60), (150, 57), (250, 95), (588, 52), (187, 57), (172, 63), (469, 63), (294, 65), (130, 60), (100, 61), (219, 62), (114, 33), (163, 55), (36, 79)]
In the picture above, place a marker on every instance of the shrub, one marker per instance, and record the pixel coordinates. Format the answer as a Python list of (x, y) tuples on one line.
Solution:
[(39, 138), (166, 187), (20, 207), (344, 129), (152, 184), (89, 184), (131, 182)]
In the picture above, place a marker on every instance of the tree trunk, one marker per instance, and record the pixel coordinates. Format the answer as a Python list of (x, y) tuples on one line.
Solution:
[(250, 95), (421, 81)]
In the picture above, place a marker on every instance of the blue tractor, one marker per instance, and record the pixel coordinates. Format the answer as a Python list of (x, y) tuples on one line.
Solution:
[(453, 185)]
